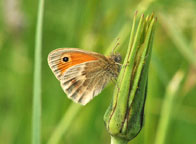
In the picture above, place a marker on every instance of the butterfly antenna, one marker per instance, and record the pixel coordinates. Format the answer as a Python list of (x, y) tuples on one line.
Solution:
[(117, 44)]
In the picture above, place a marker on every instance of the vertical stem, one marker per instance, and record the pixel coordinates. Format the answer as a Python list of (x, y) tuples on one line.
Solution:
[(115, 140), (36, 125), (168, 107), (65, 123)]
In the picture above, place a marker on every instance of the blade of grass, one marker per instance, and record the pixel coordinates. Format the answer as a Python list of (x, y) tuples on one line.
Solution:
[(168, 107), (36, 125), (65, 122)]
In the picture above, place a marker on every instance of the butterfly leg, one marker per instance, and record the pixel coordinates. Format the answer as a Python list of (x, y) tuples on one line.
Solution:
[(114, 80), (125, 65), (121, 65)]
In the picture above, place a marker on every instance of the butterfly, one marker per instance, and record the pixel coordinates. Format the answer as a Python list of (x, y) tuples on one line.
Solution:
[(83, 74)]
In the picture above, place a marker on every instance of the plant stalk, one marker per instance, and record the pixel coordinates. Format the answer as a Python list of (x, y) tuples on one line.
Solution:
[(36, 124), (115, 140)]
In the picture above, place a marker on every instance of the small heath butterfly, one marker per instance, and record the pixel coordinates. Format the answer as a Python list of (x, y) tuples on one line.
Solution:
[(83, 74)]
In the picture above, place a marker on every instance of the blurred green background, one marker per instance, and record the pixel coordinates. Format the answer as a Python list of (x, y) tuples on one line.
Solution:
[(93, 25)]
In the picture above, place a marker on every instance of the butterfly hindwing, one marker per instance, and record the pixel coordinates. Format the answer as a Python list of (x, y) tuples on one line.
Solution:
[(84, 84)]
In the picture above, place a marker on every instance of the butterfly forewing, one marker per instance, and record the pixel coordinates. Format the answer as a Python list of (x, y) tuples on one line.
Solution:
[(75, 56)]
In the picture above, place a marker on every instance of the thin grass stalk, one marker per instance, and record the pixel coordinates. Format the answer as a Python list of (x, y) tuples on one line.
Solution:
[(36, 124), (168, 107), (65, 122)]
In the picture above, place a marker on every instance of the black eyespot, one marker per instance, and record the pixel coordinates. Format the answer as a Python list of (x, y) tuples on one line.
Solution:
[(65, 59)]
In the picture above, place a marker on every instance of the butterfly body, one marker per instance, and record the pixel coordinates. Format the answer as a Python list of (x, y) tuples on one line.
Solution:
[(83, 74)]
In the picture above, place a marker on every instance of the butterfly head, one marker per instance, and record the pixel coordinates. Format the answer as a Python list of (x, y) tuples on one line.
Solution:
[(115, 64), (116, 57)]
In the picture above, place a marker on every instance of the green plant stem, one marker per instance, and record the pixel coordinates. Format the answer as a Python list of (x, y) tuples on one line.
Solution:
[(36, 125), (65, 123), (115, 140), (168, 107)]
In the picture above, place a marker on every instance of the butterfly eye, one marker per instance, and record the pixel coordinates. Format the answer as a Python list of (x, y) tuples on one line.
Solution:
[(117, 58), (65, 59)]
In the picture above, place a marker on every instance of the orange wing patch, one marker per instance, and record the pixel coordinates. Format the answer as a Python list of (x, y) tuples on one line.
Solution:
[(74, 58)]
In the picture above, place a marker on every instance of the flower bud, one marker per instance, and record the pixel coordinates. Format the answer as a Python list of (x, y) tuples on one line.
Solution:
[(124, 117)]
